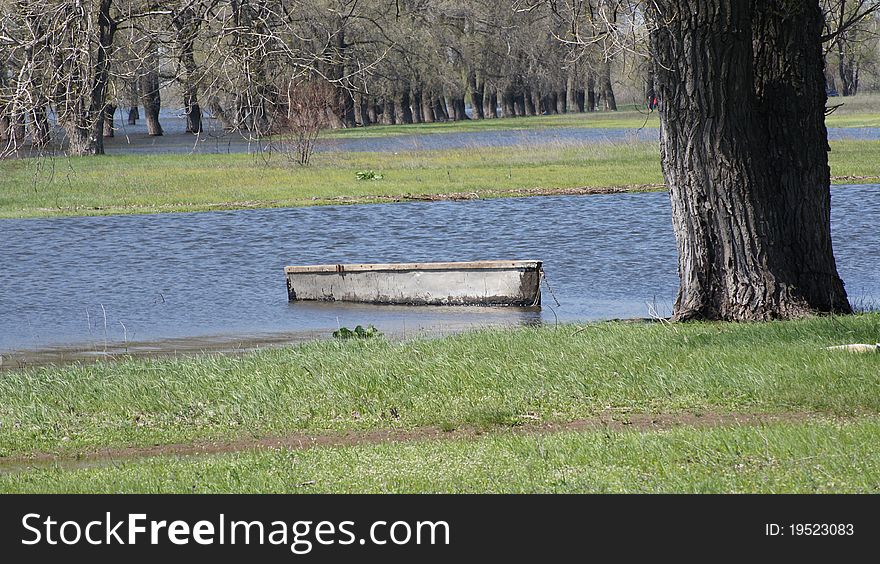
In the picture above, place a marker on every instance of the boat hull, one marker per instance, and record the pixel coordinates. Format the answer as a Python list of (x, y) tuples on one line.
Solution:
[(484, 283)]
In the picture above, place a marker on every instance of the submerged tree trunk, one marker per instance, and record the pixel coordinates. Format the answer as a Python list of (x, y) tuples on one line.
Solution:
[(151, 100), (744, 153), (186, 24)]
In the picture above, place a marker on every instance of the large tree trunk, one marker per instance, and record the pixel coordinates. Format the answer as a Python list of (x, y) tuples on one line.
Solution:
[(744, 153)]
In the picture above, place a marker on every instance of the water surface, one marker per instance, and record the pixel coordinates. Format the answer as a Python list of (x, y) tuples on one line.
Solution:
[(88, 280)]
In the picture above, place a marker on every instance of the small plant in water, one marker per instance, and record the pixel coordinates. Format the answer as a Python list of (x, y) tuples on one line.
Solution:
[(369, 175), (358, 333)]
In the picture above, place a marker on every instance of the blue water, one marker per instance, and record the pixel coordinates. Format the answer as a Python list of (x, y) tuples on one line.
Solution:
[(146, 277)]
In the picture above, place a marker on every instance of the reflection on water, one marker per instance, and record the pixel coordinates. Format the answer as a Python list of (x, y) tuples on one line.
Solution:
[(150, 277)]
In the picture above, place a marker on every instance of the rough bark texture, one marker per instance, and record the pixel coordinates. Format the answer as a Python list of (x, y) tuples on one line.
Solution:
[(744, 152), (83, 116), (591, 93), (186, 24), (152, 101), (109, 127), (607, 87), (490, 104), (404, 112), (427, 108)]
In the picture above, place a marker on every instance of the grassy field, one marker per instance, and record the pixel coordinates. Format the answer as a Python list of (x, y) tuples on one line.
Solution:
[(822, 456), (166, 183), (494, 381), (859, 111)]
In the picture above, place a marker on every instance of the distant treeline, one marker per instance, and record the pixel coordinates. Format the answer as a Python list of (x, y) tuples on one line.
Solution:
[(268, 66)]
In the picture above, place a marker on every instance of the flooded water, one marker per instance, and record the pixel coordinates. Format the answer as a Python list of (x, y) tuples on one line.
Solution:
[(134, 140), (152, 277)]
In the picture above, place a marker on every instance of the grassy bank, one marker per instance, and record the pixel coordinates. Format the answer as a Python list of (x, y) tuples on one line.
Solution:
[(167, 183), (491, 379), (814, 457)]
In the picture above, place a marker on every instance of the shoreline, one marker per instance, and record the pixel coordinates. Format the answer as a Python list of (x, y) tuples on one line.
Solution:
[(161, 209)]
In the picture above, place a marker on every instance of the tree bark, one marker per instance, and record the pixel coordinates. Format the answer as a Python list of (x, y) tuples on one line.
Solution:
[(561, 102), (440, 113), (846, 68), (427, 108), (608, 88), (404, 112), (417, 106), (591, 93), (744, 153), (530, 107), (133, 114), (476, 90), (151, 98), (490, 104), (507, 103), (186, 24), (458, 109), (109, 112)]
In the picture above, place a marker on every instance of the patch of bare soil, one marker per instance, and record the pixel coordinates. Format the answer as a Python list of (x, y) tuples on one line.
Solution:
[(609, 420)]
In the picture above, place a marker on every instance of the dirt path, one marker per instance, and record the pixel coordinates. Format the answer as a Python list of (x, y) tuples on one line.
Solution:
[(614, 421)]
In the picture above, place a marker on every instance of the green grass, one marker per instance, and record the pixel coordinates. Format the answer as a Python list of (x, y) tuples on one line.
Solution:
[(815, 457), (491, 379), (627, 118), (165, 183)]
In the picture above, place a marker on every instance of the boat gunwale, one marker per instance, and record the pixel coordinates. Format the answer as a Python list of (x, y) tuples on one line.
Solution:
[(417, 266)]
